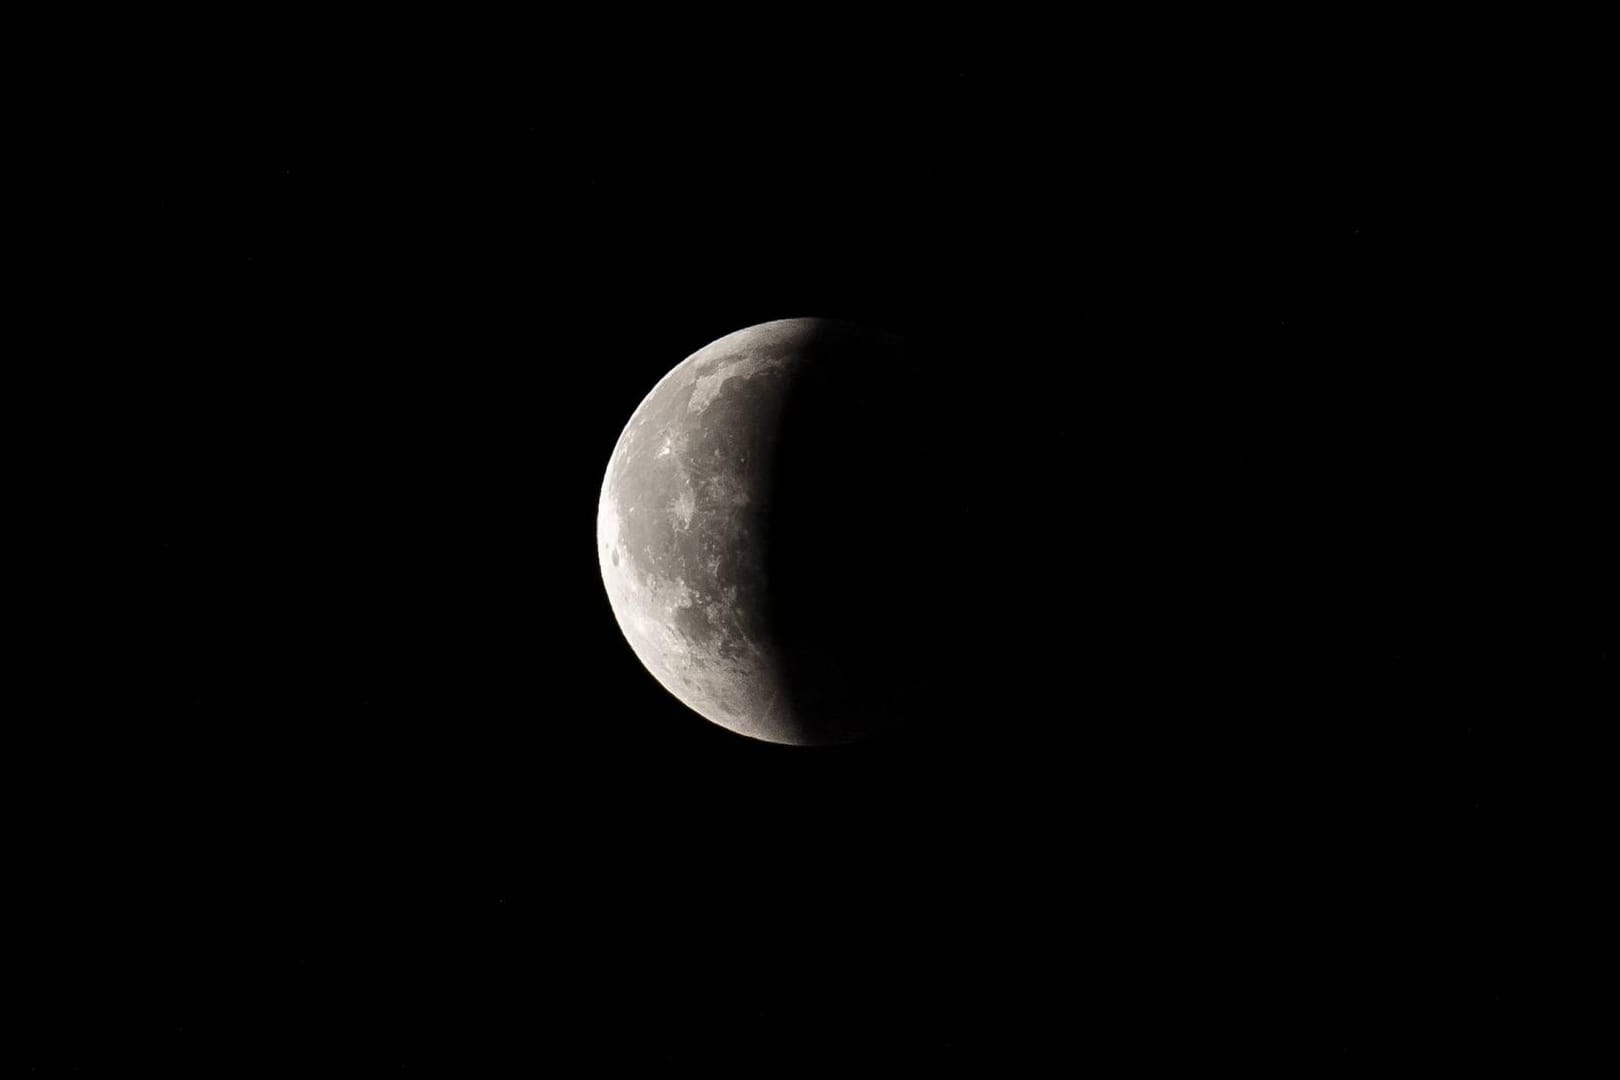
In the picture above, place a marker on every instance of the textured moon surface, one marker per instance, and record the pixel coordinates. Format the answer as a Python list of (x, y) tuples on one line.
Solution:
[(740, 531), (678, 528)]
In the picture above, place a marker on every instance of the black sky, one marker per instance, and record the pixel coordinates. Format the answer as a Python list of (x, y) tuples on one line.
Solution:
[(375, 779)]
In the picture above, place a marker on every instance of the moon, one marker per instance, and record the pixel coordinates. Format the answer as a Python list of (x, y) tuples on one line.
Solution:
[(735, 506)]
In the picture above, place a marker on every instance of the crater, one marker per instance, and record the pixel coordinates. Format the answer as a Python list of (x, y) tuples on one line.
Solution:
[(684, 507)]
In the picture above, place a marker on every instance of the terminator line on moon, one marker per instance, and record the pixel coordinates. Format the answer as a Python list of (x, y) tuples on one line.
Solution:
[(681, 525)]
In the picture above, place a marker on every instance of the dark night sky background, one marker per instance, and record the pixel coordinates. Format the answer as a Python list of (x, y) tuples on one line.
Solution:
[(375, 779)]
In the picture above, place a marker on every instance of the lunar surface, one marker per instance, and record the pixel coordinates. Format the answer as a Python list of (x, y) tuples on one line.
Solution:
[(691, 540)]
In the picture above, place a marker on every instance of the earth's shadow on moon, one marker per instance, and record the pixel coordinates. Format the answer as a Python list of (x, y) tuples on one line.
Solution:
[(859, 538)]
